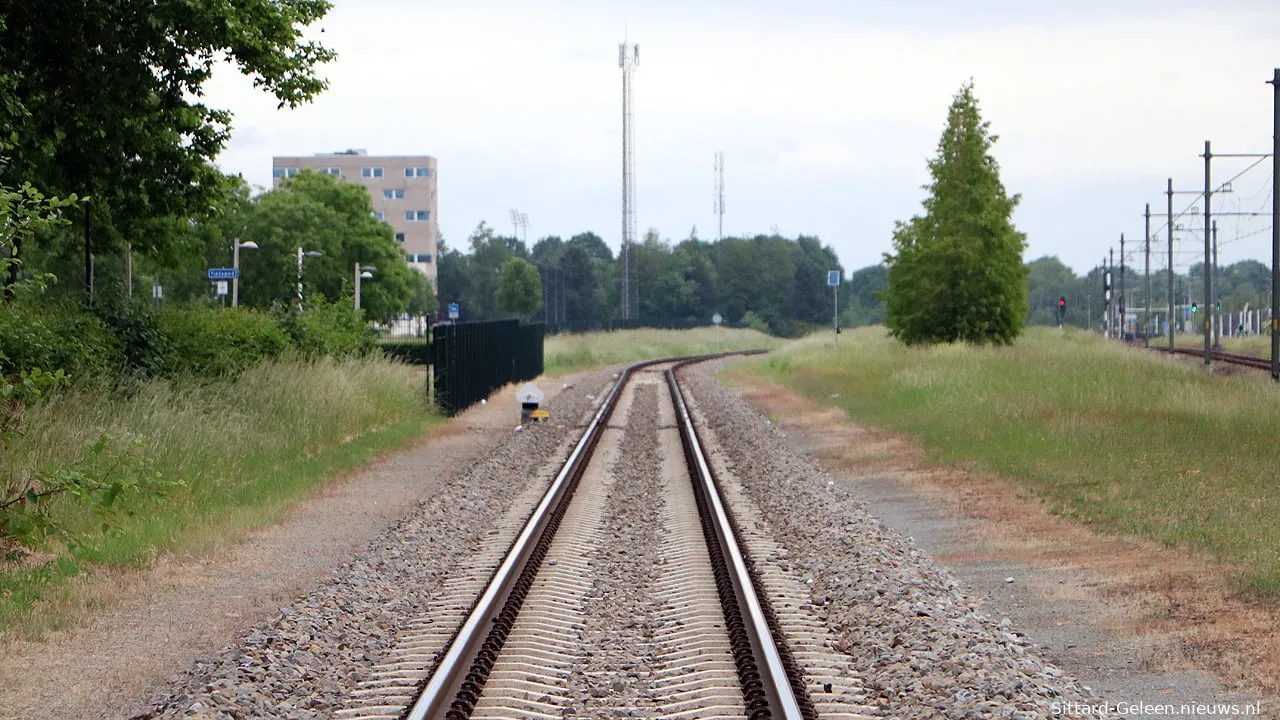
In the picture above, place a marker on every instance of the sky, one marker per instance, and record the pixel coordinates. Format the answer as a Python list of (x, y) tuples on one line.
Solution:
[(827, 112)]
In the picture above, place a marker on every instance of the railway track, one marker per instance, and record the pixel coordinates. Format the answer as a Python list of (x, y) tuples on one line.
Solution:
[(520, 632), (1252, 361)]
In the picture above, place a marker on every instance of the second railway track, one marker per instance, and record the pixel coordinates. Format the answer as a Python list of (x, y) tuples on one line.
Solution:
[(629, 591)]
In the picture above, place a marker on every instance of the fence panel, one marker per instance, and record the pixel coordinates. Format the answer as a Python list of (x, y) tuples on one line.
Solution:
[(473, 359)]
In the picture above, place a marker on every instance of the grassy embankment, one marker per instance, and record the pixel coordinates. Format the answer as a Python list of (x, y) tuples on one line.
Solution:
[(246, 450), (574, 352), (1114, 437)]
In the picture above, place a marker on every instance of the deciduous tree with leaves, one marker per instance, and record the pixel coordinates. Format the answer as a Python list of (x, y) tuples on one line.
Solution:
[(105, 98), (956, 273), (519, 288)]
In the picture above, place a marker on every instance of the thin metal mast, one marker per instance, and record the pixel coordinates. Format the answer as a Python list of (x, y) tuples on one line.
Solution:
[(628, 59), (719, 196)]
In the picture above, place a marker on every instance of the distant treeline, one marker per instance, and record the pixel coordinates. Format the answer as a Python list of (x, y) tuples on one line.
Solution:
[(774, 284)]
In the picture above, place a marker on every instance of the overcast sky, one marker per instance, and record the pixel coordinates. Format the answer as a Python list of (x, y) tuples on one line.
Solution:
[(826, 111)]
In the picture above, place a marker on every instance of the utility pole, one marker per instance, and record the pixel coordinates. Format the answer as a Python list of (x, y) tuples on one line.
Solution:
[(1275, 232), (1111, 313), (1146, 271), (1217, 292), (1124, 318), (1208, 275), (628, 59), (1169, 230), (719, 196), (88, 257)]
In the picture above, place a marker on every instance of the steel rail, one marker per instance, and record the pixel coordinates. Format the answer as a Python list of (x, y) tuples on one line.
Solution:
[(771, 683), (1252, 361), (454, 686)]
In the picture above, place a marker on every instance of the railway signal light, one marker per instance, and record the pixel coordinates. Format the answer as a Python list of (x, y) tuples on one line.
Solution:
[(1062, 303), (1195, 308)]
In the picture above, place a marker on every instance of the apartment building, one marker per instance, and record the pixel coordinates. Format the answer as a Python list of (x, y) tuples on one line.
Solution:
[(402, 188)]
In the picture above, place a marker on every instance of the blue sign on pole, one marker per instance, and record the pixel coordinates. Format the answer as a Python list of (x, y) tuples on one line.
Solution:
[(223, 273), (453, 311), (833, 278)]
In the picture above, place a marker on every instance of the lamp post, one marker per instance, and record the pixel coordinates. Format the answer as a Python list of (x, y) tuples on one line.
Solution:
[(362, 271), (235, 264), (301, 254)]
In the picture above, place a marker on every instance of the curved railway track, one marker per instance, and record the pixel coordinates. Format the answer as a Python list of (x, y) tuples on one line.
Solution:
[(716, 645), (1252, 361)]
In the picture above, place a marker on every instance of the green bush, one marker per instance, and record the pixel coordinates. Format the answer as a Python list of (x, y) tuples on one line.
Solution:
[(138, 333), (324, 328), (54, 337), (215, 342), (757, 323), (413, 352)]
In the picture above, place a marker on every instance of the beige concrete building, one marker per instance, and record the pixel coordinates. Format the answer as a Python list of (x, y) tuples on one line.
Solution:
[(402, 187)]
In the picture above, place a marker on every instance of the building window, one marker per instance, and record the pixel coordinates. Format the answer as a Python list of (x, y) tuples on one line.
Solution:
[(408, 215), (393, 194), (424, 258), (331, 171), (371, 172), (399, 237), (409, 258), (424, 215), (277, 172), (417, 172), (379, 214), (292, 172)]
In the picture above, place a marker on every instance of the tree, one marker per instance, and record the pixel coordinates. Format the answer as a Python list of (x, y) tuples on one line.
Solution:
[(519, 288), (24, 212), (580, 282), (103, 98), (327, 215), (957, 272)]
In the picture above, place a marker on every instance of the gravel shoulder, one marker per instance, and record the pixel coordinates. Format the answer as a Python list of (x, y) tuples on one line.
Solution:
[(189, 614), (1133, 622)]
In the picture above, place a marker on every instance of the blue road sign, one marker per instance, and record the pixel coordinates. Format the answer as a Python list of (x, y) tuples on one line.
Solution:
[(833, 278), (223, 273), (453, 311)]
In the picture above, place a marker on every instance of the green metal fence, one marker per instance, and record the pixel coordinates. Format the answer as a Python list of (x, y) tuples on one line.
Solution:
[(472, 359)]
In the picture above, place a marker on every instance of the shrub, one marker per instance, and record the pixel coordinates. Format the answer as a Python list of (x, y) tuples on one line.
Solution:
[(138, 334), (413, 352), (56, 337), (755, 322), (324, 328), (214, 342)]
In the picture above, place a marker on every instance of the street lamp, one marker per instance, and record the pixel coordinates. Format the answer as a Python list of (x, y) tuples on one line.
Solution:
[(235, 264), (301, 254), (365, 272)]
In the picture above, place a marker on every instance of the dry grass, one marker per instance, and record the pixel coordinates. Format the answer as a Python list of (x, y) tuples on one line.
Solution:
[(1124, 440), (245, 451), (1183, 606)]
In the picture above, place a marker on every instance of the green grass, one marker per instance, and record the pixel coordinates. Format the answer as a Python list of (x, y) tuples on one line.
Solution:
[(247, 450), (1115, 437), (573, 352)]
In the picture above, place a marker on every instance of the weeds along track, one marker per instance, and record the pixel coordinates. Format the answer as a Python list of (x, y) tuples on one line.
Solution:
[(629, 591)]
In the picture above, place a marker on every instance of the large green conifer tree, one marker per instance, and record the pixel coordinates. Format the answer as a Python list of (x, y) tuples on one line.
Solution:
[(956, 273)]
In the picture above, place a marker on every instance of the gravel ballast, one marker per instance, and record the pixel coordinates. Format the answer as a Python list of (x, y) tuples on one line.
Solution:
[(921, 647), (318, 647)]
